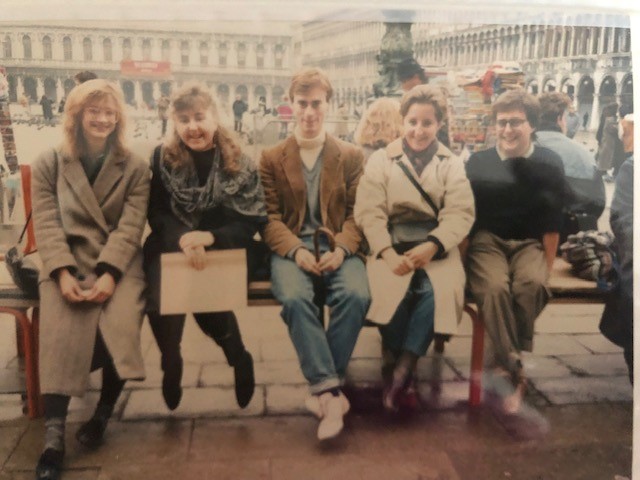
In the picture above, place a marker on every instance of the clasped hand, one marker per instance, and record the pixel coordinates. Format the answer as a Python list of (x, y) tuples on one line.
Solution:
[(193, 245), (329, 261), (71, 290), (418, 257)]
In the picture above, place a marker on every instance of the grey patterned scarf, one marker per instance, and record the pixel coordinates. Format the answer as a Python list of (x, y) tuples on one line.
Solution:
[(241, 192)]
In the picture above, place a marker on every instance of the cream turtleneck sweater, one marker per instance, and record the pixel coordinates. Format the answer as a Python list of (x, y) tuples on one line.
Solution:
[(310, 148)]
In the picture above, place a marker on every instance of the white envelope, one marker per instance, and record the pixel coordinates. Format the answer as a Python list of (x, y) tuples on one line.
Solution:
[(219, 287), (387, 290)]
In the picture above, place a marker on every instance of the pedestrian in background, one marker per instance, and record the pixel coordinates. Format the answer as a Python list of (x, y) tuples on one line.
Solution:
[(610, 148), (205, 194), (90, 197), (163, 107), (380, 125), (572, 121), (47, 109), (239, 107)]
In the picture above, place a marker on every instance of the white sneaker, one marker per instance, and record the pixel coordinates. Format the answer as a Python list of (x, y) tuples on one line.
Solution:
[(312, 404), (332, 412)]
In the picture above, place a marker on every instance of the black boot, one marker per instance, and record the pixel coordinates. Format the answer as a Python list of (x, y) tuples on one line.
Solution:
[(171, 388), (49, 465), (244, 379), (91, 433)]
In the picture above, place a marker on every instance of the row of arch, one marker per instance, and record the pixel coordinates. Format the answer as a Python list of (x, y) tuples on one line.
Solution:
[(204, 47)]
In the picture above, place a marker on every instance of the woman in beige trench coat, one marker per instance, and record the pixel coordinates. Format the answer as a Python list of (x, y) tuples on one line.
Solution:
[(418, 286), (90, 198)]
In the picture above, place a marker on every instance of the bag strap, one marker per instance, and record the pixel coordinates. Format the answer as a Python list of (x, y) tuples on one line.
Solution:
[(415, 183), (24, 230)]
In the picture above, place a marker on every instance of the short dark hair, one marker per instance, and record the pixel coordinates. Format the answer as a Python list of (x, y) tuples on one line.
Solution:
[(407, 68), (552, 106), (518, 99), (82, 77)]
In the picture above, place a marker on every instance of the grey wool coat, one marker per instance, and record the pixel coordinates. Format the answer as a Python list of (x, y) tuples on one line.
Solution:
[(79, 225)]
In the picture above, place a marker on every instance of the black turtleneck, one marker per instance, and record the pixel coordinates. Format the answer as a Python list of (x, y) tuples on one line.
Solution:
[(202, 161)]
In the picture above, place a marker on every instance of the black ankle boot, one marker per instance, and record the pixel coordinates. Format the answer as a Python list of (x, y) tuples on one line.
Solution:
[(244, 379), (91, 433), (171, 389), (49, 465)]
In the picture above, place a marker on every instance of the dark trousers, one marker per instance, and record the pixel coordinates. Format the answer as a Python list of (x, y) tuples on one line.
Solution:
[(222, 327)]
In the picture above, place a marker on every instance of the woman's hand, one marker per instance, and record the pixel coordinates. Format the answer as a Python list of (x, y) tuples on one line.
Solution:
[(422, 254), (102, 290), (398, 264), (69, 287), (196, 256), (197, 238)]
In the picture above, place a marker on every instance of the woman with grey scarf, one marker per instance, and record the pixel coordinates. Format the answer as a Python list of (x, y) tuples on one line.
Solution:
[(205, 194)]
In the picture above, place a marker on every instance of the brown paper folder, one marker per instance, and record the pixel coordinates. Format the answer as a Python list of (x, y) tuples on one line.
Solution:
[(219, 287)]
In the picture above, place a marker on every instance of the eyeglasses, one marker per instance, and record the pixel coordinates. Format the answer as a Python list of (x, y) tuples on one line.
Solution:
[(512, 122), (95, 112)]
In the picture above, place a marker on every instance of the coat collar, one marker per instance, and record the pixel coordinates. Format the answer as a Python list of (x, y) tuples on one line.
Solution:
[(292, 165), (92, 197), (394, 150)]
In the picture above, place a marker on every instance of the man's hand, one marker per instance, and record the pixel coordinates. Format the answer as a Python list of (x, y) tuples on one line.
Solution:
[(196, 256), (102, 290), (69, 287), (398, 264), (422, 254), (307, 261), (197, 238), (331, 261)]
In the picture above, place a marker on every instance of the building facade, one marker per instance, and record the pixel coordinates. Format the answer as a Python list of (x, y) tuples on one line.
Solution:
[(147, 59), (590, 64)]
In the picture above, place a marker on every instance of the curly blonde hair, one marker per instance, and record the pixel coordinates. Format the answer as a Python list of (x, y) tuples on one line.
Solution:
[(79, 98), (380, 125), (196, 95)]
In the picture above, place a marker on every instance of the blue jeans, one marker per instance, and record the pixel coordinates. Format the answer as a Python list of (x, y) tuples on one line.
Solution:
[(323, 355), (411, 327)]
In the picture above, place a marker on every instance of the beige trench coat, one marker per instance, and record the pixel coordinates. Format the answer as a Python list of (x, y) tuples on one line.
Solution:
[(79, 225), (385, 195)]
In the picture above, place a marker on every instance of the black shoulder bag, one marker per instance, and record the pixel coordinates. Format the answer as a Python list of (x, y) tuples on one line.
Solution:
[(23, 270)]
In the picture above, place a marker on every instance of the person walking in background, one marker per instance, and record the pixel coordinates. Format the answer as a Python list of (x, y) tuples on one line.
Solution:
[(586, 200), (571, 120), (415, 205), (310, 181), (205, 194), (585, 121), (239, 107), (89, 203), (47, 109), (519, 190), (342, 126), (285, 114), (163, 107), (380, 125), (610, 148)]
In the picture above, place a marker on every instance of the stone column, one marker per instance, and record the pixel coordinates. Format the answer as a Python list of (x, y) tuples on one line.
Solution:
[(39, 88), (59, 88), (595, 112), (137, 93)]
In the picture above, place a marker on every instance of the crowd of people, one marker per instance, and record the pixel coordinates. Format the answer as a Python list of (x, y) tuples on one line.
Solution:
[(406, 227)]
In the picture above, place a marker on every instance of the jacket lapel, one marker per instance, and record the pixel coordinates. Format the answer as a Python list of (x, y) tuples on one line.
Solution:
[(77, 181), (110, 174), (331, 164), (292, 166)]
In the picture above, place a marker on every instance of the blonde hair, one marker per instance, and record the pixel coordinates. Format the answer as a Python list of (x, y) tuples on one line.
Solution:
[(82, 95), (380, 125), (426, 95), (193, 95), (308, 78)]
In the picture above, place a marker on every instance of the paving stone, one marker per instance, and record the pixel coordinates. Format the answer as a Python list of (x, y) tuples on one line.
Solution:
[(597, 343), (537, 366), (217, 374), (282, 372), (81, 408), (269, 437), (598, 365), (196, 402), (253, 470), (434, 466), (11, 406), (9, 437), (364, 371), (586, 389), (190, 376), (319, 468), (569, 318), (68, 474), (557, 345), (286, 399)]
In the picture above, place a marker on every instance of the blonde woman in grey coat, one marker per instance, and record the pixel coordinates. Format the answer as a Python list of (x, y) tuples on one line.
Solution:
[(90, 199)]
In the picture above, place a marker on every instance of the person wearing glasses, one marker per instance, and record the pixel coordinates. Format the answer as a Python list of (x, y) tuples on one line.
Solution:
[(90, 199), (519, 190)]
